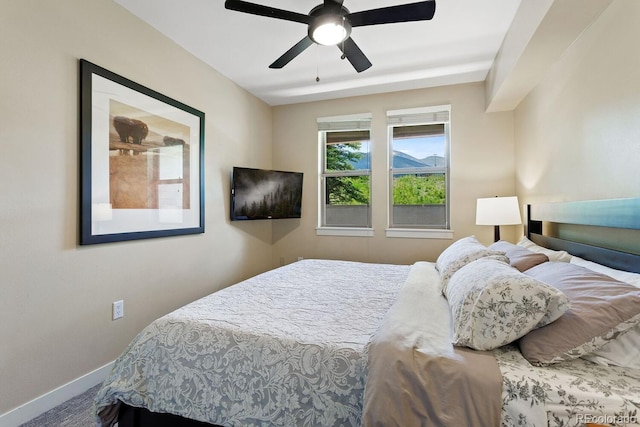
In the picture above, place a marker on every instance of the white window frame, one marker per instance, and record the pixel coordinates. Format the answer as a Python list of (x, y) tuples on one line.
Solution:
[(439, 114), (340, 123)]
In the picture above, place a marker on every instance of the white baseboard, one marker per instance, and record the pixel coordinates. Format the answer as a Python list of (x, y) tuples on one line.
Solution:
[(50, 400)]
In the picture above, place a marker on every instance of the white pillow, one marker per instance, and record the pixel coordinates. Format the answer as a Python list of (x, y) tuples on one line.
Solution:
[(623, 276), (459, 254), (623, 351), (493, 304), (554, 256)]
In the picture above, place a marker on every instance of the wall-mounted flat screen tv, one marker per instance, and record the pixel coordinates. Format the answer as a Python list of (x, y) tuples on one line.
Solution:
[(265, 194)]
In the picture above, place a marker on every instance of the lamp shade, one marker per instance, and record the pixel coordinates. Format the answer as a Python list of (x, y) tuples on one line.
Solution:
[(498, 211)]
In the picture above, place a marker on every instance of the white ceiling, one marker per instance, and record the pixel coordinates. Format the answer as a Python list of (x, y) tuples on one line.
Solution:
[(458, 45)]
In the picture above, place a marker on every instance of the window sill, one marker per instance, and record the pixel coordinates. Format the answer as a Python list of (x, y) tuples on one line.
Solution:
[(344, 231), (417, 233)]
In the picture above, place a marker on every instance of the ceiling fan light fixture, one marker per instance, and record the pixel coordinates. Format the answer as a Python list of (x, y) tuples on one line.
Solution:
[(330, 31)]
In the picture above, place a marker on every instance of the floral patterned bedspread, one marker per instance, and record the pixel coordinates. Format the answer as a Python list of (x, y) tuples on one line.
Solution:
[(287, 347), (566, 394)]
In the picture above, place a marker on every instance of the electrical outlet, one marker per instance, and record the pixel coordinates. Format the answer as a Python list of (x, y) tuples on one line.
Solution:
[(300, 258), (118, 309)]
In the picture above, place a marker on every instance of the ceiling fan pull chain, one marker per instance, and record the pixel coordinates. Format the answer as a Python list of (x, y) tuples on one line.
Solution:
[(315, 51)]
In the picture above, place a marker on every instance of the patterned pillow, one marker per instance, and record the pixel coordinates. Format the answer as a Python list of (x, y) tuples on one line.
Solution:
[(602, 308), (493, 304), (459, 254)]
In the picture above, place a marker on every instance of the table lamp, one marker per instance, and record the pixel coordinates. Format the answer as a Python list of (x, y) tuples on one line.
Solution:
[(498, 211)]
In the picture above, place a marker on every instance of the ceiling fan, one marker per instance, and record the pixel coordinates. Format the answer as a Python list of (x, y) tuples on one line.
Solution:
[(330, 24)]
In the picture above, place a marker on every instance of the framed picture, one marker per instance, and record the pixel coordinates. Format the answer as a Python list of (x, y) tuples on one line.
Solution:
[(142, 173)]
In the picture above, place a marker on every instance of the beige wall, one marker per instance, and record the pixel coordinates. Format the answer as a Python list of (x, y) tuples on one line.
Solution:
[(482, 150), (578, 132), (55, 296)]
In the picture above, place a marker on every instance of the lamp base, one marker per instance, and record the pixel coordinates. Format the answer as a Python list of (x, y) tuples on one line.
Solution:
[(496, 232)]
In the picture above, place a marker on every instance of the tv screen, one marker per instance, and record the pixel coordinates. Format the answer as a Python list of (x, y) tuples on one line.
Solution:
[(265, 194)]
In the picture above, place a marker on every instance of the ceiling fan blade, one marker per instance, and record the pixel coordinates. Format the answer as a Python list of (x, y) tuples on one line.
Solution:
[(271, 12), (420, 11), (296, 50), (353, 53)]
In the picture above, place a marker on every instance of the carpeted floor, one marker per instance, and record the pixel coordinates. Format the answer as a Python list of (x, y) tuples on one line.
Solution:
[(76, 412)]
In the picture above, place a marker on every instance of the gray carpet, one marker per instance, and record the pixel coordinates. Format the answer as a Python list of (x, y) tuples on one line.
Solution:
[(76, 412)]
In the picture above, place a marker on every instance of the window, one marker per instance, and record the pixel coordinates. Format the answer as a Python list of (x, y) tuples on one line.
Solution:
[(345, 174), (419, 169)]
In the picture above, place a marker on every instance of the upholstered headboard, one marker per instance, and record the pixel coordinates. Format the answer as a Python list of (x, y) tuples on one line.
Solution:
[(602, 231)]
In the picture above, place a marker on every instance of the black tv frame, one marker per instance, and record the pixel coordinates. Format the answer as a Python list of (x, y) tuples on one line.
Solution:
[(236, 186)]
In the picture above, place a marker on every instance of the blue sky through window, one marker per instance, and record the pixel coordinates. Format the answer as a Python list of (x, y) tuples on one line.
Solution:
[(421, 147)]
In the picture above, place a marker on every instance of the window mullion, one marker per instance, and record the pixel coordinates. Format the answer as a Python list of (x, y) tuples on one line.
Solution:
[(418, 170), (360, 172)]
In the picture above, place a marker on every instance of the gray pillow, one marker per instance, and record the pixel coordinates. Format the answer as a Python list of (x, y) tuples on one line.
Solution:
[(602, 308), (519, 257), (556, 256)]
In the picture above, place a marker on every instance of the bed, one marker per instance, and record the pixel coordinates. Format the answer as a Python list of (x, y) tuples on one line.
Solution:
[(337, 343)]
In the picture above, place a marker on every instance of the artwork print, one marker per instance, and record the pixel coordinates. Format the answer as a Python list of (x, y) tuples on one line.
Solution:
[(149, 160)]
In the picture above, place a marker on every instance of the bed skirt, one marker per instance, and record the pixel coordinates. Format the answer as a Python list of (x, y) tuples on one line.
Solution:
[(130, 416)]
